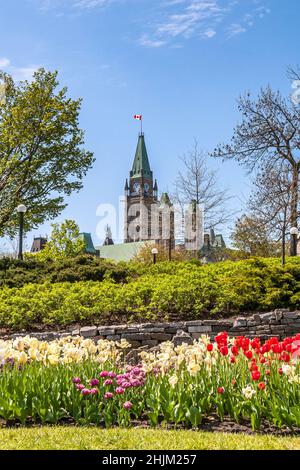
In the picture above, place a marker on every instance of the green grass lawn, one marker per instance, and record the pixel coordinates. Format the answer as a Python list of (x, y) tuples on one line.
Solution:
[(65, 438)]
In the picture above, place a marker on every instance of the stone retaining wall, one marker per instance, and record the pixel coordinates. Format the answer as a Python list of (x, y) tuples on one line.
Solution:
[(280, 323)]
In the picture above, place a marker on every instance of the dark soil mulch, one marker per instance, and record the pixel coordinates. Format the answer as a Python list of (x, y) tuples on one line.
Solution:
[(211, 423)]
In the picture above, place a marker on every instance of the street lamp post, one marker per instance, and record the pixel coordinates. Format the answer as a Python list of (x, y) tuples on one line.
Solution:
[(154, 252), (21, 209), (294, 239)]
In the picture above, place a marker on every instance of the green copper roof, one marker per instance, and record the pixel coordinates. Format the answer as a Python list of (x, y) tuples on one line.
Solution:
[(219, 241), (122, 251), (89, 245), (165, 199), (141, 166)]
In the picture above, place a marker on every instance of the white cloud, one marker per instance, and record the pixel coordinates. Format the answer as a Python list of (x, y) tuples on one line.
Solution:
[(145, 41), (235, 29), (4, 62), (173, 2), (174, 20), (195, 15), (91, 3), (183, 19), (79, 4), (23, 73), (18, 73), (210, 33), (262, 11)]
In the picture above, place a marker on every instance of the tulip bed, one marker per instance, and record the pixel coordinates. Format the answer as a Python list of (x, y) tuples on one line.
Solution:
[(78, 381)]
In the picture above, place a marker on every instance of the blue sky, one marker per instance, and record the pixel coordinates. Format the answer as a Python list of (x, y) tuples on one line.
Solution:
[(181, 63)]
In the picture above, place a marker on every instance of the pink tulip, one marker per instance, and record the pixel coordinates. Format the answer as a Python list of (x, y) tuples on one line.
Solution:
[(94, 382), (104, 373), (127, 405), (80, 386), (107, 382), (126, 385)]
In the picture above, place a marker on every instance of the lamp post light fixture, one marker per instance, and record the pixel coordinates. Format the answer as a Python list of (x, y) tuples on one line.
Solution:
[(21, 209), (294, 240), (154, 252)]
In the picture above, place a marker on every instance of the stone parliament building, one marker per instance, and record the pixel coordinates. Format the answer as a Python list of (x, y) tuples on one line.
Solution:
[(148, 218)]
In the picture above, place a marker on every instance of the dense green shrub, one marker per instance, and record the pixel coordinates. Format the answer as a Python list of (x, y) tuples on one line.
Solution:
[(17, 273), (186, 289)]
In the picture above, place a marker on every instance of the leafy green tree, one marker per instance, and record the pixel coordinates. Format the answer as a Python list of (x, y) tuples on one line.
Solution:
[(42, 158), (251, 236), (64, 242)]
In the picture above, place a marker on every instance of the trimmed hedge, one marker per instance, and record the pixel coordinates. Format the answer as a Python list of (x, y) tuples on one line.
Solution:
[(167, 288), (17, 273)]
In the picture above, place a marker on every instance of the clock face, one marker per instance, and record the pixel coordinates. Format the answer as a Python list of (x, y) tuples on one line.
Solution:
[(136, 187), (147, 188)]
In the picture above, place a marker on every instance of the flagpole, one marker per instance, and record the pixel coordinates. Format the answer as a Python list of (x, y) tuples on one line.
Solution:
[(142, 124)]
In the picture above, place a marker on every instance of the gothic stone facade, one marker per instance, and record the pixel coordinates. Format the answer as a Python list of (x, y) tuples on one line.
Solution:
[(146, 218)]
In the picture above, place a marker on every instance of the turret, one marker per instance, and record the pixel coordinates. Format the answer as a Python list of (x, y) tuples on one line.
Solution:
[(126, 189), (139, 196), (155, 189), (108, 237)]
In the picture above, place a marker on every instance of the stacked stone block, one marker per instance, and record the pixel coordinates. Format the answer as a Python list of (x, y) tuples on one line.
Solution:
[(279, 323)]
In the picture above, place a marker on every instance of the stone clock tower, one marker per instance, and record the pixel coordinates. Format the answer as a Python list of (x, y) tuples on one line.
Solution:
[(140, 197)]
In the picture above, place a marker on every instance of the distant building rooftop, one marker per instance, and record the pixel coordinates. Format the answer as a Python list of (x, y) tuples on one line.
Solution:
[(122, 251), (89, 245), (212, 243), (38, 244)]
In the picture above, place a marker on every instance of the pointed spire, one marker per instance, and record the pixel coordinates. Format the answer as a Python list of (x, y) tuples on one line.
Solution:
[(108, 237), (108, 233), (126, 185), (155, 190), (141, 166), (165, 200)]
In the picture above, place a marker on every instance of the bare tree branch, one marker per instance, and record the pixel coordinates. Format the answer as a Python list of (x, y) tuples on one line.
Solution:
[(196, 182), (268, 137), (270, 202)]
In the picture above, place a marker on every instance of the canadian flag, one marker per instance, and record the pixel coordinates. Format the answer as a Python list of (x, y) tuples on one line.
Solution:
[(138, 117)]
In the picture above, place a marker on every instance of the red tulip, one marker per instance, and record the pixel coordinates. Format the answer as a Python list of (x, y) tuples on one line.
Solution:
[(261, 385), (256, 375)]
